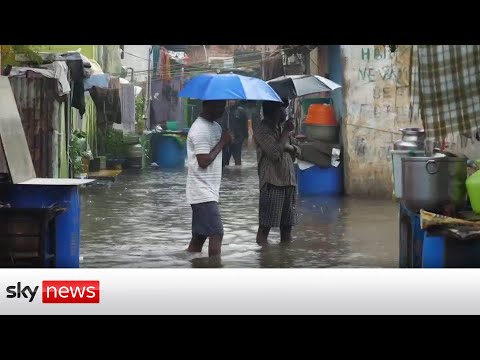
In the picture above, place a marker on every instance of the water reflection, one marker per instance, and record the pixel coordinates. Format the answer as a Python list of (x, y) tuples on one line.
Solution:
[(142, 220)]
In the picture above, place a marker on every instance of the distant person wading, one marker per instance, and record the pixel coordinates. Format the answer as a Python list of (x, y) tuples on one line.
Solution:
[(235, 119)]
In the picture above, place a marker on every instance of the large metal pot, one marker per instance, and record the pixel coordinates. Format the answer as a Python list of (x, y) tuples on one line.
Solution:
[(326, 133), (412, 139), (433, 184)]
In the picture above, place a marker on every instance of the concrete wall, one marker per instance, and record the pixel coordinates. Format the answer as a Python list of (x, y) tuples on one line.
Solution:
[(136, 57), (376, 99)]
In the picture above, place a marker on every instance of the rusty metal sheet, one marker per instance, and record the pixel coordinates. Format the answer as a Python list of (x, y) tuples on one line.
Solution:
[(13, 136), (3, 161), (35, 97)]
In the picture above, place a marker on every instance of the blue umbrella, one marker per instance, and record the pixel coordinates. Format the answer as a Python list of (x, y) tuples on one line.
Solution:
[(228, 87)]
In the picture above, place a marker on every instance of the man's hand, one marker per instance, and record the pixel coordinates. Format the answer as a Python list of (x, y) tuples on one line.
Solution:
[(289, 126), (226, 138)]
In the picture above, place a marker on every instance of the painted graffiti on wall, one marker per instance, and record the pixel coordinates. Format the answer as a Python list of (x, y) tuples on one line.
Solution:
[(371, 151), (395, 71), (401, 75), (377, 101), (376, 54), (389, 73)]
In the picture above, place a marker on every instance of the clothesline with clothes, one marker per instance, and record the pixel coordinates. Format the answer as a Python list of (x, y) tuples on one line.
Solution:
[(264, 54), (206, 66)]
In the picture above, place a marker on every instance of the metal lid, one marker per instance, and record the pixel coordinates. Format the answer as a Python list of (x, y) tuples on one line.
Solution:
[(412, 131), (436, 158)]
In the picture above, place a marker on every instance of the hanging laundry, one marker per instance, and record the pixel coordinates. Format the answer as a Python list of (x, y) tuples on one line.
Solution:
[(60, 70), (160, 65), (168, 74), (444, 89), (78, 97), (107, 102), (272, 67)]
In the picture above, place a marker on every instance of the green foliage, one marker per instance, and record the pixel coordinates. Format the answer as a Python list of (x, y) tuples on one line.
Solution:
[(139, 113), (115, 148), (145, 141), (9, 53), (139, 107), (78, 151)]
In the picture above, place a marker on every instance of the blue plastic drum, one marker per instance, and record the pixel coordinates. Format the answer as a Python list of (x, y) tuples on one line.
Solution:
[(67, 224)]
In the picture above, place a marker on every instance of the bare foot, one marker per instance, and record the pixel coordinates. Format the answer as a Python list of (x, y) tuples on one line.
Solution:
[(194, 248), (262, 242)]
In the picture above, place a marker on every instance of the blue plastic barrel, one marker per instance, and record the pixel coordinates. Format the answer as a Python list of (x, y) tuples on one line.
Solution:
[(67, 252), (320, 181), (168, 152), (433, 252)]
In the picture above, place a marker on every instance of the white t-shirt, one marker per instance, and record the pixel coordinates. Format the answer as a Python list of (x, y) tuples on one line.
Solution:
[(203, 185)]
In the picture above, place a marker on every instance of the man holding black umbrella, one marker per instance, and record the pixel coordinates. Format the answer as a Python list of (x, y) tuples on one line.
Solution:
[(276, 152)]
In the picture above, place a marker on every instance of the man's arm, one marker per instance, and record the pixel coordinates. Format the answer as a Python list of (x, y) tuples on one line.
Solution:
[(200, 144), (272, 147), (292, 145)]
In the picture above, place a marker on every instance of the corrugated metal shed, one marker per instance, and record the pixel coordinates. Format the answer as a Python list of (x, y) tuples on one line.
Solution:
[(3, 160), (39, 110)]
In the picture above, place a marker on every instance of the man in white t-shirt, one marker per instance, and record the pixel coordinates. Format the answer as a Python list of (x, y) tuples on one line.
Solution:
[(204, 151)]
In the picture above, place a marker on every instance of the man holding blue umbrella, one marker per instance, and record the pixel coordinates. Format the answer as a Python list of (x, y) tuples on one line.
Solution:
[(204, 151)]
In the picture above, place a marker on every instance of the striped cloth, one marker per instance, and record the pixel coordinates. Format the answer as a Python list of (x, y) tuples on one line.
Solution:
[(277, 206), (445, 89), (203, 185)]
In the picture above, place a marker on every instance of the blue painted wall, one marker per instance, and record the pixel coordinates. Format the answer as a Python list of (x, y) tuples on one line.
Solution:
[(335, 70)]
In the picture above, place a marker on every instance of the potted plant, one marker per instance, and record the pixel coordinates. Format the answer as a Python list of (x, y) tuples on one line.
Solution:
[(139, 114), (80, 154), (115, 148)]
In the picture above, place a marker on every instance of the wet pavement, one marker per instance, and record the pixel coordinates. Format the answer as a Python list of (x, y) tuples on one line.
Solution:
[(142, 220)]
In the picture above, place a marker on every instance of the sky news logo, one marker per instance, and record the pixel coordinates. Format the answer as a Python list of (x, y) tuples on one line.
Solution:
[(58, 292)]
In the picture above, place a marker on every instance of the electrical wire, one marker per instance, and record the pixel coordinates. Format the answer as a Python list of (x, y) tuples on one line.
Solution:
[(180, 69), (237, 57)]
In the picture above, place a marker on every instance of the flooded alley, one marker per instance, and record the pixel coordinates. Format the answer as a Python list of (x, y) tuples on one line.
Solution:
[(142, 220)]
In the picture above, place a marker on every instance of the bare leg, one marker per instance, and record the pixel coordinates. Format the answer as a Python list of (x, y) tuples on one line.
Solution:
[(196, 244), (236, 151), (237, 156), (262, 235), (215, 245), (285, 233), (226, 155)]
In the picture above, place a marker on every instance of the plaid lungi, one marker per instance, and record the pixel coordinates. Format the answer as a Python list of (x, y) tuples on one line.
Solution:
[(278, 206), (445, 89)]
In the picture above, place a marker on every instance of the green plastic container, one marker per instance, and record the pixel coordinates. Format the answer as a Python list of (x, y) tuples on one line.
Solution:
[(172, 125), (473, 190)]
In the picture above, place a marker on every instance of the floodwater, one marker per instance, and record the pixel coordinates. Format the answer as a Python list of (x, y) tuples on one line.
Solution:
[(142, 220)]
